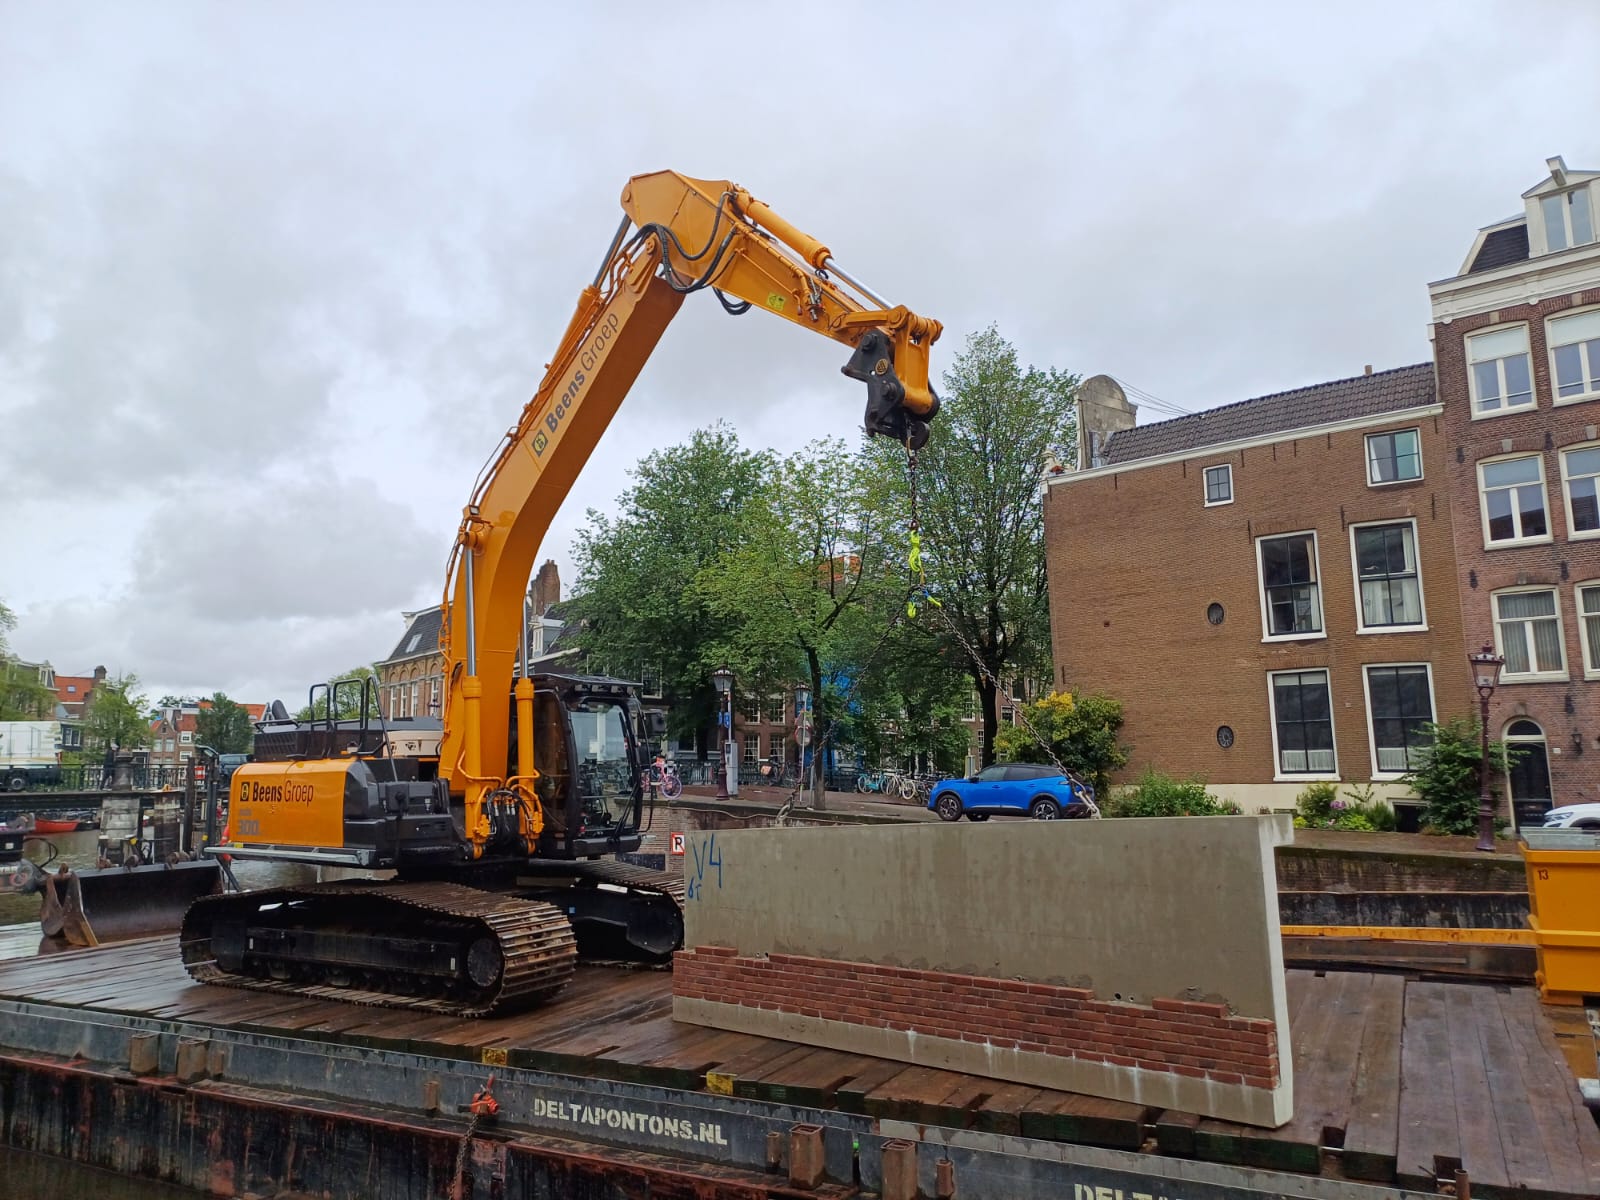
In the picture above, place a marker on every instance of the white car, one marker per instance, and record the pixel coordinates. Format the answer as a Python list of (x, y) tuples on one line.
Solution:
[(1573, 816)]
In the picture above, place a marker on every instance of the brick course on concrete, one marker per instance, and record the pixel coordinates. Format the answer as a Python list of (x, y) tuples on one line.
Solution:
[(1560, 707), (1185, 1037)]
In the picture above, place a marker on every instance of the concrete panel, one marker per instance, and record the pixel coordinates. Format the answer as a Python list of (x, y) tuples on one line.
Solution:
[(1134, 911), (1184, 908)]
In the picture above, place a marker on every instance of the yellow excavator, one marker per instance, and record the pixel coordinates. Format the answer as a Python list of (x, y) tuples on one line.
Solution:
[(502, 823)]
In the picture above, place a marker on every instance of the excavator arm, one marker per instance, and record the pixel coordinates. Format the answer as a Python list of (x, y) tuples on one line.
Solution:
[(679, 235)]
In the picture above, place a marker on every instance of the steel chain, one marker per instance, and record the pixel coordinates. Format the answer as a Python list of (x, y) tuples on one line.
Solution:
[(457, 1182)]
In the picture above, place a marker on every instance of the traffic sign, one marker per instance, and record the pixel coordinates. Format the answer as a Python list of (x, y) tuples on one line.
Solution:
[(675, 844)]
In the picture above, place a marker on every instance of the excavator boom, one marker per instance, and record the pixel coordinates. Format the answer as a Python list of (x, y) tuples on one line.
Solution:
[(686, 235), (499, 851)]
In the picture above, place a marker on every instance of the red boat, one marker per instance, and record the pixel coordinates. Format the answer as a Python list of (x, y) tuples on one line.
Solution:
[(51, 825)]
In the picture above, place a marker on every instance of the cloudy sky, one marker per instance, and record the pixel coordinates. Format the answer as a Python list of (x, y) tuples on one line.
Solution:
[(274, 278)]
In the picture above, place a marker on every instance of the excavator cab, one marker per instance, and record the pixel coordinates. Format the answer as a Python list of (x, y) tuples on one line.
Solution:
[(586, 751)]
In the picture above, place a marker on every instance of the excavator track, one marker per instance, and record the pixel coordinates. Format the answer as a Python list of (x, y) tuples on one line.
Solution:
[(634, 878), (622, 912), (462, 951)]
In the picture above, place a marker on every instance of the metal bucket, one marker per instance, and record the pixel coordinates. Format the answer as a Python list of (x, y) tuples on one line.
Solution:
[(116, 903)]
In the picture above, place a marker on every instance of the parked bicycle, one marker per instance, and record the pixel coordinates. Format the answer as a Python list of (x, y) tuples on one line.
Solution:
[(888, 782), (779, 772), (663, 776)]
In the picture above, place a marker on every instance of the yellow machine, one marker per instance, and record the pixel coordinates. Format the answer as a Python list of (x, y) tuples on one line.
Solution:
[(497, 834)]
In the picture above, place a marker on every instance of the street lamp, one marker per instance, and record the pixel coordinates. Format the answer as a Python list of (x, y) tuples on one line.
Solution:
[(1486, 666), (722, 680)]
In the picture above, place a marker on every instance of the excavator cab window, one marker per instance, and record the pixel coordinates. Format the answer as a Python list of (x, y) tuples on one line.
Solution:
[(607, 784), (550, 755)]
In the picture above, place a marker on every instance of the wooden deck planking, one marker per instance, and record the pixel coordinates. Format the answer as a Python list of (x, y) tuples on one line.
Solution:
[(1372, 1136), (1515, 1122), (914, 1094), (811, 1080), (1481, 1155), (1569, 1136), (1429, 1139)]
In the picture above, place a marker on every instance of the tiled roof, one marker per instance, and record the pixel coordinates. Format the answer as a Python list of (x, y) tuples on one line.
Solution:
[(1321, 404), (1500, 248), (425, 628)]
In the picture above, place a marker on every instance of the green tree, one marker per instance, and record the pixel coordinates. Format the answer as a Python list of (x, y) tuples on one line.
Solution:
[(980, 504), (22, 696), (1446, 780), (1080, 732), (116, 716), (809, 562), (637, 603), (349, 706), (907, 695), (224, 726)]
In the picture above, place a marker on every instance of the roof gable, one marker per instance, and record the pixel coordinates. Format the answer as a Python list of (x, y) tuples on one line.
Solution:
[(420, 638), (1500, 248), (1281, 412)]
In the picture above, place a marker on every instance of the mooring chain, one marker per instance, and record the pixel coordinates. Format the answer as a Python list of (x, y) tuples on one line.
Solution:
[(484, 1108), (458, 1181)]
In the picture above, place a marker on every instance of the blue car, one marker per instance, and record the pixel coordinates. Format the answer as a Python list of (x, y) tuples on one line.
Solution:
[(1022, 789)]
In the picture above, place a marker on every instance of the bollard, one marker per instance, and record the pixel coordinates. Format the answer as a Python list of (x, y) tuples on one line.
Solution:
[(899, 1171), (217, 1062), (944, 1179), (774, 1151), (806, 1162), (192, 1059), (144, 1054), (430, 1096)]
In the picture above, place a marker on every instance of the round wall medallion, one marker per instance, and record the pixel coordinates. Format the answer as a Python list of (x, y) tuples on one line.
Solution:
[(1224, 736)]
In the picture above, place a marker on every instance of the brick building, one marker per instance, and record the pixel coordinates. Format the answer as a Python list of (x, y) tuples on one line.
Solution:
[(1517, 343), (1269, 586)]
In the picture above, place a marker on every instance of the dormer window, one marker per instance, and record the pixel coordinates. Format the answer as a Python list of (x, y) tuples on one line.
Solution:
[(1568, 219)]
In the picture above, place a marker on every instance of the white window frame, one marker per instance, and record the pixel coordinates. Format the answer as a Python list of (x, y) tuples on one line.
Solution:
[(1479, 414), (1564, 199), (750, 752), (1556, 398), (1278, 773), (1261, 590), (1205, 484), (1367, 446), (1591, 668), (1560, 676), (1574, 534), (1483, 504), (1355, 575), (186, 738), (1372, 729)]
